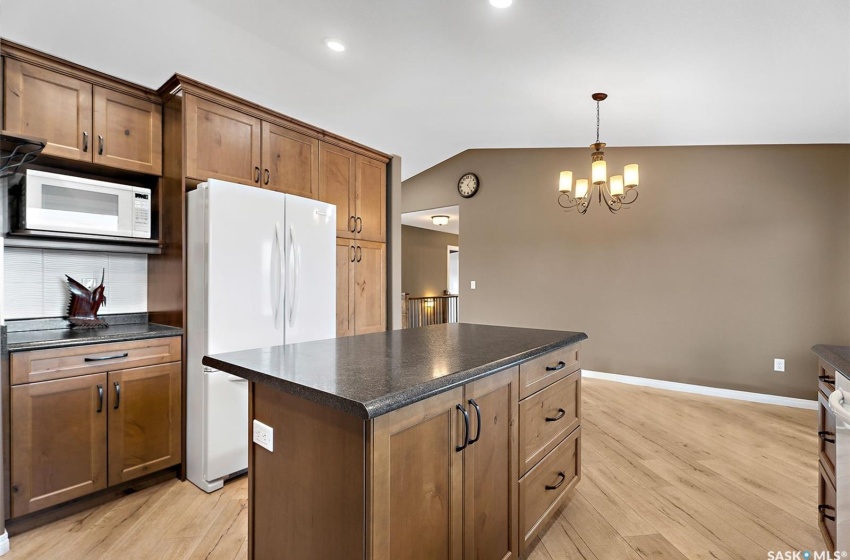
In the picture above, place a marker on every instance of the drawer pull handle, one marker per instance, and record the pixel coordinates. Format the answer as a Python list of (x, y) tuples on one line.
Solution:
[(822, 509), (102, 358), (561, 365), (117, 395), (266, 176), (352, 224), (100, 398), (557, 485), (561, 414), (478, 416), (359, 223), (466, 429), (827, 379), (828, 437), (256, 174), (100, 145), (85, 141)]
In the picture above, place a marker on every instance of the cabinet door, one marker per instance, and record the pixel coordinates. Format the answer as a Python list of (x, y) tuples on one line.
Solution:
[(290, 161), (58, 441), (370, 292), (371, 200), (49, 105), (127, 132), (337, 186), (416, 492), (490, 468), (144, 421), (221, 143), (345, 255)]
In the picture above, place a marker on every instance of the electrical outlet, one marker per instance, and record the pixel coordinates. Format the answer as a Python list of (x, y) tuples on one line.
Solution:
[(472, 284), (263, 435), (778, 364)]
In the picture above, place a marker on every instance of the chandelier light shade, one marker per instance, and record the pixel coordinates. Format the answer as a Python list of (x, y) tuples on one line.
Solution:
[(617, 193)]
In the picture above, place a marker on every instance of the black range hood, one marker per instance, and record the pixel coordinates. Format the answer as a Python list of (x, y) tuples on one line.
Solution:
[(17, 150)]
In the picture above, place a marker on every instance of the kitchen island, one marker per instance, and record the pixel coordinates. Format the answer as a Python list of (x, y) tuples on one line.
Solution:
[(446, 441)]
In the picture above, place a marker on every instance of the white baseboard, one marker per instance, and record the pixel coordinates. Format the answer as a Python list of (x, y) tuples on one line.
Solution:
[(4, 543), (702, 390)]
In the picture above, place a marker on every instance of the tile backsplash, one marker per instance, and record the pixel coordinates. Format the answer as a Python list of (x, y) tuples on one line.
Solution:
[(35, 284)]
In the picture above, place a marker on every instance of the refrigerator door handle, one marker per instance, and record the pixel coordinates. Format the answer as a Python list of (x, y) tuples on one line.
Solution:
[(294, 266), (275, 273)]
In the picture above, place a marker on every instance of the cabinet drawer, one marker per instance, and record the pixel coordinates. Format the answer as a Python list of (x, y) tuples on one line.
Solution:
[(544, 488), (543, 371), (826, 378), (826, 436), (547, 417), (44, 365), (826, 509)]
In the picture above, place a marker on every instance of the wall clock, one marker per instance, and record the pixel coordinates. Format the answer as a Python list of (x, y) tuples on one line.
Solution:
[(468, 185)]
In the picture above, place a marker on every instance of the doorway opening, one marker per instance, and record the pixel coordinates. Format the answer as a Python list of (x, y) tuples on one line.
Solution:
[(430, 271)]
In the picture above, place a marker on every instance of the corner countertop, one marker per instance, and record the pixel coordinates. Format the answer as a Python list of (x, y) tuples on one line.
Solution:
[(372, 374), (43, 339), (836, 356)]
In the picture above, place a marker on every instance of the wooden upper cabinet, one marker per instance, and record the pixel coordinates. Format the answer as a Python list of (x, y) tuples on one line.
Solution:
[(370, 292), (144, 421), (337, 186), (345, 255), (490, 468), (417, 489), (221, 143), (371, 199), (49, 105), (58, 434), (127, 132), (290, 161)]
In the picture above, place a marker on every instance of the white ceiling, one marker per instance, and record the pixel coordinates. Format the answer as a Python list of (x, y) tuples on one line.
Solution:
[(428, 79), (422, 219)]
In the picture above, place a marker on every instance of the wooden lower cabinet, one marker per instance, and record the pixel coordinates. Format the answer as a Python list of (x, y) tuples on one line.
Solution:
[(490, 469), (58, 435), (417, 484), (144, 421), (436, 480), (73, 436)]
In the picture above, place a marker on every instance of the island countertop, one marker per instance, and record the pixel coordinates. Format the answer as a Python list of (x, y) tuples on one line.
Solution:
[(372, 374), (836, 356)]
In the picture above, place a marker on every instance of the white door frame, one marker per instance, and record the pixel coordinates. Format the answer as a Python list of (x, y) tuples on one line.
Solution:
[(449, 249)]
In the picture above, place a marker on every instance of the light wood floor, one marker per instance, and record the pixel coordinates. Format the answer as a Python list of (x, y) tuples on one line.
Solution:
[(665, 476)]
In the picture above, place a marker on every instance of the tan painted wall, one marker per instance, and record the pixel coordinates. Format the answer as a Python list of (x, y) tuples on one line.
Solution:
[(732, 256), (424, 264)]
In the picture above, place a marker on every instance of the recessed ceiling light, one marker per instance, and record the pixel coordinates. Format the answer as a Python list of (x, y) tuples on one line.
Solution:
[(501, 3), (335, 45)]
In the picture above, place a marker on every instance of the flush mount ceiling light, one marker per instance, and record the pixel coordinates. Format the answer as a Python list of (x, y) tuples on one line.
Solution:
[(335, 45), (501, 3), (617, 194), (440, 220)]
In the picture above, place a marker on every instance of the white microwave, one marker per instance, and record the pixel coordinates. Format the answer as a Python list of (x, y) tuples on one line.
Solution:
[(53, 202)]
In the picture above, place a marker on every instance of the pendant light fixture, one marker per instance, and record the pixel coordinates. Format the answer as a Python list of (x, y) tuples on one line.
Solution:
[(617, 193)]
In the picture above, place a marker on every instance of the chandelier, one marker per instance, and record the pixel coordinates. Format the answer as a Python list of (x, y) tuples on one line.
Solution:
[(616, 194)]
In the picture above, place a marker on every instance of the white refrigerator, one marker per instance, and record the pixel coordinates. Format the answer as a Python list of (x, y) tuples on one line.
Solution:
[(261, 272)]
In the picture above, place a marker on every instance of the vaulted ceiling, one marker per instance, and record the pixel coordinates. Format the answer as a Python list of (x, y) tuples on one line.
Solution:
[(426, 79)]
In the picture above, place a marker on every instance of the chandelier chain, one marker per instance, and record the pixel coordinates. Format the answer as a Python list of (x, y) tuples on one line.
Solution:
[(597, 122)]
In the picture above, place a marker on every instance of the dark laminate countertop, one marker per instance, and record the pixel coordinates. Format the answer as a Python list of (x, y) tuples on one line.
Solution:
[(836, 356), (370, 375), (43, 339)]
